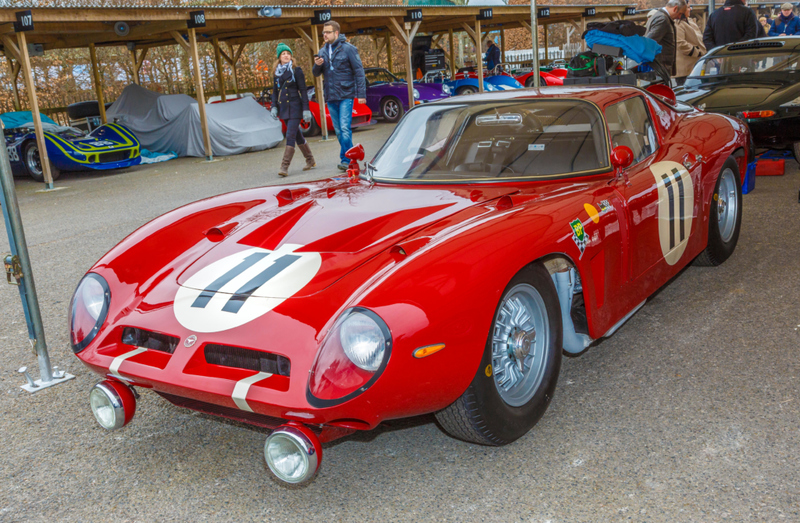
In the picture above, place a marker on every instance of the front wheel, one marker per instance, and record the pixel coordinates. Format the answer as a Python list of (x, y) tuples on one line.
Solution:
[(391, 109), (725, 217), (467, 89), (33, 162), (517, 375)]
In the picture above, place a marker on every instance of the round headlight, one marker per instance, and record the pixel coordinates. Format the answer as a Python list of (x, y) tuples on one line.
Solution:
[(291, 455), (416, 94), (113, 404), (88, 310), (363, 341), (446, 89)]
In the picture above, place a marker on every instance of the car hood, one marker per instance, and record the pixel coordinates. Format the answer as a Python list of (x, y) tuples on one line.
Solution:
[(731, 93), (315, 237)]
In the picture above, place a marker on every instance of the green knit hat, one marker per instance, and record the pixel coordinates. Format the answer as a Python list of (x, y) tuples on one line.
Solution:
[(283, 47)]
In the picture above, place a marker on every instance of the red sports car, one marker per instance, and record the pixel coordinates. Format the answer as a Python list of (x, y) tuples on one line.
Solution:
[(362, 115), (488, 235)]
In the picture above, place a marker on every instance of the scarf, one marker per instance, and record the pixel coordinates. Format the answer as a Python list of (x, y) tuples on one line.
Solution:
[(282, 69), (786, 19)]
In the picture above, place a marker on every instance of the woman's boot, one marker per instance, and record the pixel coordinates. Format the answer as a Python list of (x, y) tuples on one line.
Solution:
[(306, 150), (287, 159)]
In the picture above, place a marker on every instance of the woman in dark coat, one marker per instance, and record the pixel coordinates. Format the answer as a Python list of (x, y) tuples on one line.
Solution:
[(290, 104)]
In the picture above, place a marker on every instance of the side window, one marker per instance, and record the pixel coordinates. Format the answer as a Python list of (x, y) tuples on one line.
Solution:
[(629, 124)]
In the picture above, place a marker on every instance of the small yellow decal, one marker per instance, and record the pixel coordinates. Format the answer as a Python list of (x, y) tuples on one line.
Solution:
[(716, 196), (427, 351), (592, 212), (489, 370)]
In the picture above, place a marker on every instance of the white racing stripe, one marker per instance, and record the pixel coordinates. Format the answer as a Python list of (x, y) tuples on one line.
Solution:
[(114, 368), (243, 386)]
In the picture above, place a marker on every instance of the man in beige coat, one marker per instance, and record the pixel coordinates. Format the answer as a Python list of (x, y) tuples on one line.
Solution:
[(689, 43)]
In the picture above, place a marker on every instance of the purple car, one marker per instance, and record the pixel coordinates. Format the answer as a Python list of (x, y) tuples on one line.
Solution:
[(387, 95)]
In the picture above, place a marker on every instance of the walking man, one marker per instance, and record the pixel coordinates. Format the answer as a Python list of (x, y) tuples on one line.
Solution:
[(661, 28), (339, 63), (492, 55), (733, 22)]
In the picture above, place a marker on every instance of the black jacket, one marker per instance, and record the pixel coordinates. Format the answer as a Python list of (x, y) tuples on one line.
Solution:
[(290, 97), (345, 80), (731, 23), (492, 57), (661, 28)]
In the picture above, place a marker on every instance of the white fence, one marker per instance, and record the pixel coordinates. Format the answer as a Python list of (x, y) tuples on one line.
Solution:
[(526, 55)]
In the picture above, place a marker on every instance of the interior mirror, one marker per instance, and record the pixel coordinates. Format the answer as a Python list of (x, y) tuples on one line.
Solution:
[(621, 157)]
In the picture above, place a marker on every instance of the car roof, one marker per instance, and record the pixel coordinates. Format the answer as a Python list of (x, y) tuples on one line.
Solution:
[(599, 94), (772, 43)]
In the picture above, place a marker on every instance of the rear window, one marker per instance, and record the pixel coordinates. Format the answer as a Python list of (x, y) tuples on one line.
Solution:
[(745, 63), (495, 141)]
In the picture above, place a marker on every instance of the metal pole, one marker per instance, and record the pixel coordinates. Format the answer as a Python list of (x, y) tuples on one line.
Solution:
[(711, 7), (535, 43), (27, 286)]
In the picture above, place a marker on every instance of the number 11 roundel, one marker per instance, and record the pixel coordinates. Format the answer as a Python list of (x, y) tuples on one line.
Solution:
[(242, 287), (675, 208)]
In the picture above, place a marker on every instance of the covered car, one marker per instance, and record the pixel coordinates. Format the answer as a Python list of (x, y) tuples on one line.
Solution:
[(109, 146), (756, 81), (487, 235), (166, 123), (387, 95)]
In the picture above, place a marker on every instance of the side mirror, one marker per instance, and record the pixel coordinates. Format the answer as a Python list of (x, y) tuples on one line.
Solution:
[(356, 154), (621, 157), (663, 91)]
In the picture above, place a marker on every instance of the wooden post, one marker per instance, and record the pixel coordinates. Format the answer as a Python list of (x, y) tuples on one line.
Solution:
[(135, 67), (98, 83), (406, 36), (479, 54), (220, 70), (25, 61), (544, 28), (201, 98), (323, 109), (232, 60), (14, 68), (583, 20), (389, 52), (452, 54), (503, 45)]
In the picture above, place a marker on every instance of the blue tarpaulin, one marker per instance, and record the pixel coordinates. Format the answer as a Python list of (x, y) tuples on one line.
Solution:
[(637, 48), (20, 118)]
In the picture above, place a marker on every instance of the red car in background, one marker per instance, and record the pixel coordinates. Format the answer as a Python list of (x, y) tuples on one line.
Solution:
[(362, 115), (488, 235)]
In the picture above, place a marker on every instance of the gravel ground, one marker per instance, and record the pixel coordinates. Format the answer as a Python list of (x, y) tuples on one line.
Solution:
[(688, 413)]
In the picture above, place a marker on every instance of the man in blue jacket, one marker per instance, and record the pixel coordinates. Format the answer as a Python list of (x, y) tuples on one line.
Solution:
[(492, 55), (339, 63), (786, 24)]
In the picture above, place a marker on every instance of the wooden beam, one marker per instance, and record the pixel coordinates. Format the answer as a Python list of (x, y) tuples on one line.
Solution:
[(546, 50), (98, 83), (389, 52), (140, 59), (304, 37), (14, 68), (452, 54), (503, 44), (323, 108), (11, 48), (479, 55), (134, 68), (34, 102), (201, 97), (410, 75), (525, 24), (470, 31), (220, 70), (179, 38), (398, 31)]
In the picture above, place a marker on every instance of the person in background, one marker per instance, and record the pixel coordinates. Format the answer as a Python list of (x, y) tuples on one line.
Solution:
[(766, 24), (690, 44), (290, 104), (492, 55), (338, 61), (786, 24), (661, 28), (731, 23)]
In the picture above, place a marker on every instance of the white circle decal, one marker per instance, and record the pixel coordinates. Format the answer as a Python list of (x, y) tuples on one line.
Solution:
[(675, 208), (239, 288)]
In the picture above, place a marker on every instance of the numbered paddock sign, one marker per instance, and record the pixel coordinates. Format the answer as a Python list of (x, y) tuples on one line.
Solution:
[(630, 11), (414, 15), (485, 14), (197, 19), (544, 12), (590, 11), (24, 21), (321, 16)]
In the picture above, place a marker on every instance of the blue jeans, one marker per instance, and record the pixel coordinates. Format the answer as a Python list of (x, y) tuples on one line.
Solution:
[(342, 116)]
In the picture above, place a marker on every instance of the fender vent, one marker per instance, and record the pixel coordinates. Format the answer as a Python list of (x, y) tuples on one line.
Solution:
[(754, 45), (149, 340), (250, 359)]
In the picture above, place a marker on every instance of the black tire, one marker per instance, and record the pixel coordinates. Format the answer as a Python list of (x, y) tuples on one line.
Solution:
[(33, 163), (80, 110), (796, 151), (481, 415), (529, 82), (719, 246), (466, 89), (312, 129), (391, 109)]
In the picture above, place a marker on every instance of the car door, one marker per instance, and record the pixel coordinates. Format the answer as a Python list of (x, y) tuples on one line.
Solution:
[(661, 194)]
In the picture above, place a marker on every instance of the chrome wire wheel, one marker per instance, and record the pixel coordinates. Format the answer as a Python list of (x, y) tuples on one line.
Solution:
[(727, 205), (520, 337), (33, 161)]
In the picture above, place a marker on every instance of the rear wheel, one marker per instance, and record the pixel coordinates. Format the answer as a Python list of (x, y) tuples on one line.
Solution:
[(725, 217), (517, 375), (529, 82), (467, 89), (796, 151), (310, 129), (33, 162), (391, 109)]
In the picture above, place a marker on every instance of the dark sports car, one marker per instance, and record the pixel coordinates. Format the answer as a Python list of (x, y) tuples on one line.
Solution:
[(758, 81), (110, 146), (387, 95)]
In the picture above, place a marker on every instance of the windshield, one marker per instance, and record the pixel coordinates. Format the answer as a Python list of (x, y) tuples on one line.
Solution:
[(745, 63), (378, 76), (504, 140)]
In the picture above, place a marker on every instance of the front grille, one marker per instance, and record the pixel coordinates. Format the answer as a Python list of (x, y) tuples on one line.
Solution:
[(243, 416), (149, 340), (113, 156), (240, 358), (358, 120), (754, 45)]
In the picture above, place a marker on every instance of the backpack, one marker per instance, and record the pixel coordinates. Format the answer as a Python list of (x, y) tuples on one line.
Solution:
[(586, 64)]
